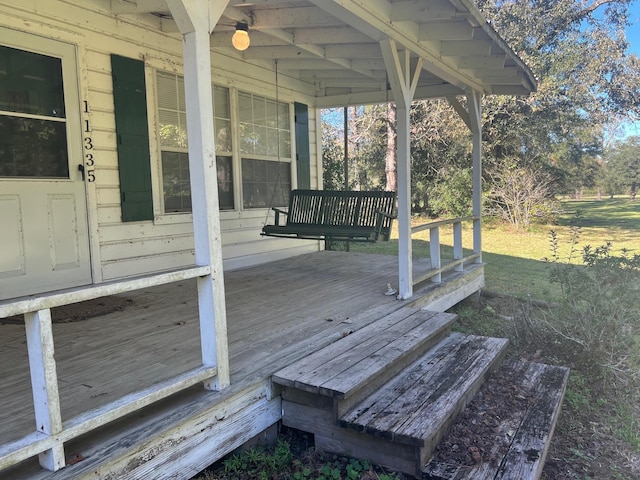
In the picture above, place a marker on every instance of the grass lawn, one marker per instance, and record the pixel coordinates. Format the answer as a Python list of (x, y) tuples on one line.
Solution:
[(515, 260)]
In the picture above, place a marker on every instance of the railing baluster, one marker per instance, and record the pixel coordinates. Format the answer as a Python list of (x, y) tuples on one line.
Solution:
[(434, 248), (457, 245), (459, 260), (44, 383)]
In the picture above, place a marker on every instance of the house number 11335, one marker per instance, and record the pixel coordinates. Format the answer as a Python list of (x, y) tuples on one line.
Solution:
[(88, 168)]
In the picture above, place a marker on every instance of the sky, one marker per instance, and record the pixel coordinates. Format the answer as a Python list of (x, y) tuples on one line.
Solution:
[(633, 37)]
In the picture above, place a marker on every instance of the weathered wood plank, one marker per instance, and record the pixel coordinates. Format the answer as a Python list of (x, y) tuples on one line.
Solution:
[(520, 441), (293, 374), (391, 357), (331, 438), (344, 366), (528, 451), (433, 362), (74, 295), (431, 398)]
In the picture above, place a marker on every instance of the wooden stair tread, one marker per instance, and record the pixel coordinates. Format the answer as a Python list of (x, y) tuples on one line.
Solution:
[(347, 364), (520, 442), (423, 400)]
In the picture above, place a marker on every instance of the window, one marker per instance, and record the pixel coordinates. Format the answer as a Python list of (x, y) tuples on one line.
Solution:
[(33, 136), (172, 127), (265, 146)]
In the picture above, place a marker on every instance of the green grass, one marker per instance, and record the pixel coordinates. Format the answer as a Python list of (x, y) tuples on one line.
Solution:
[(515, 260)]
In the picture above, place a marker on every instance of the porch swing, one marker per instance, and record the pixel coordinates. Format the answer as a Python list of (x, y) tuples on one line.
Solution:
[(334, 215)]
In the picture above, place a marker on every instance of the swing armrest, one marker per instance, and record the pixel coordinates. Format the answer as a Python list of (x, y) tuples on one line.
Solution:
[(380, 221), (278, 212)]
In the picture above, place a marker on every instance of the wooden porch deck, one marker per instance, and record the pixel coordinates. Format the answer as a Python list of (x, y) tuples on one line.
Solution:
[(276, 314)]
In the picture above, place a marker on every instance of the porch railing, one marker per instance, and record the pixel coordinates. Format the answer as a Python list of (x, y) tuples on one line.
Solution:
[(456, 263), (51, 431)]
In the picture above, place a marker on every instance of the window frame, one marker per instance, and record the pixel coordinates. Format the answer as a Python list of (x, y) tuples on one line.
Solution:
[(171, 216)]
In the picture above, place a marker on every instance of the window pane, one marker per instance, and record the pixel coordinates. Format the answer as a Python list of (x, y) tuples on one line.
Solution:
[(225, 183), (173, 133), (167, 94), (265, 183), (247, 138), (221, 102), (223, 135), (31, 83), (244, 102), (264, 125), (172, 126), (33, 148), (175, 182)]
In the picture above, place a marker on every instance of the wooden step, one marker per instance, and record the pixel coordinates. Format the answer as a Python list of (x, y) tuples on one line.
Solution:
[(364, 360), (417, 407), (517, 444)]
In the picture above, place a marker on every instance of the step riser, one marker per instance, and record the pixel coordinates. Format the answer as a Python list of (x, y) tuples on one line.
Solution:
[(329, 437)]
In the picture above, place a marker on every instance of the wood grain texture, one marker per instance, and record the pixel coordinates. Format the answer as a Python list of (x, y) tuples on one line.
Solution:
[(524, 434), (419, 404)]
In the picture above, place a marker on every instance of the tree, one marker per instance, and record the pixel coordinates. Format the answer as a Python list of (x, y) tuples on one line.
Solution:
[(578, 52), (624, 165), (519, 194)]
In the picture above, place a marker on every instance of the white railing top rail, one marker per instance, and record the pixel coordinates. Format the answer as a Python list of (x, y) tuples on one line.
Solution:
[(440, 223), (80, 294)]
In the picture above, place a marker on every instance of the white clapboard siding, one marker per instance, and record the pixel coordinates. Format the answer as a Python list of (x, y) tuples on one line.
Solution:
[(132, 267), (123, 249)]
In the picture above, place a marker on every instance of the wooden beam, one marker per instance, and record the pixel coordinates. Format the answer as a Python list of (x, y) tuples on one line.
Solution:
[(120, 7), (445, 30), (196, 20), (423, 11), (460, 110), (44, 383), (373, 18), (403, 83), (474, 102)]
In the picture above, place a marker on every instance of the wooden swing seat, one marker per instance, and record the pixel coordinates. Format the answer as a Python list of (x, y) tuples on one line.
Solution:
[(335, 215)]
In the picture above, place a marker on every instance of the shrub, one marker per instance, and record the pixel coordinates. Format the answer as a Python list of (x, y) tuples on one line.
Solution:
[(599, 313)]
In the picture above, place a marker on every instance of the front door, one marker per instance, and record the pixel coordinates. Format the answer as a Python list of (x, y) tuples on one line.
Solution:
[(44, 242)]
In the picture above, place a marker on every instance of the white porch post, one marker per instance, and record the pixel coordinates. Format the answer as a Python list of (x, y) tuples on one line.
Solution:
[(196, 19), (474, 100), (472, 117), (403, 85)]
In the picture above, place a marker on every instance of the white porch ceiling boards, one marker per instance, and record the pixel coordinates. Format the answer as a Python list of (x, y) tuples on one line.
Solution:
[(334, 45)]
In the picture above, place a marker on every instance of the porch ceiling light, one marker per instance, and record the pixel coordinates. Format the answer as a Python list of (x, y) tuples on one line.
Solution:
[(240, 39)]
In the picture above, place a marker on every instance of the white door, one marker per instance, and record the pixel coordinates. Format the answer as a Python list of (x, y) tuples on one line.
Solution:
[(44, 242)]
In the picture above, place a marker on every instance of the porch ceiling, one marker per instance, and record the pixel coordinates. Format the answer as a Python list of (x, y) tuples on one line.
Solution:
[(334, 45)]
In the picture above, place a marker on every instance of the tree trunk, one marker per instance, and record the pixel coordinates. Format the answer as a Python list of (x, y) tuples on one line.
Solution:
[(391, 155)]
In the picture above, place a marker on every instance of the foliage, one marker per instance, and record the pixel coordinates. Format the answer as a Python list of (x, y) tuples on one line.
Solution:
[(599, 313), (519, 194), (451, 194), (279, 462), (623, 168)]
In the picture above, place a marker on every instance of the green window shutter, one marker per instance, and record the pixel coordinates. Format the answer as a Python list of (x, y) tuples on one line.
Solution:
[(303, 158), (134, 165)]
